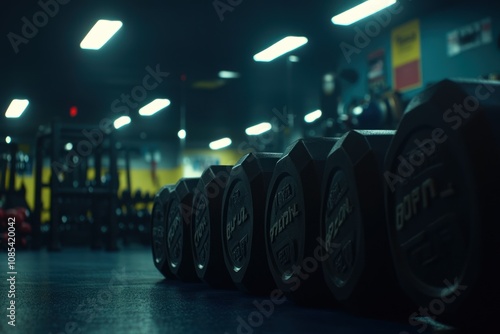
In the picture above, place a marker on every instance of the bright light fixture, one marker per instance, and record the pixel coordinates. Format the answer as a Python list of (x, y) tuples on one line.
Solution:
[(100, 34), (68, 146), (221, 143), (285, 45), (312, 116), (358, 110), (228, 75), (8, 140), (181, 134), (153, 107), (121, 121), (293, 59), (258, 129), (361, 11), (16, 108)]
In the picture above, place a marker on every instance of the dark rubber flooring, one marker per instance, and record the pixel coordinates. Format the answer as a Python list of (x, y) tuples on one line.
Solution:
[(83, 291)]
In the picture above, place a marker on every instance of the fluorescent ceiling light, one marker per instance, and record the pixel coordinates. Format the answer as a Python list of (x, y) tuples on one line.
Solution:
[(287, 44), (121, 121), (258, 129), (221, 143), (312, 116), (16, 108), (100, 34), (8, 140), (228, 75), (153, 107), (361, 11), (181, 134)]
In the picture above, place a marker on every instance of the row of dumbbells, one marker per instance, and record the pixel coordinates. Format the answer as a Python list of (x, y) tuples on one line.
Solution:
[(400, 223)]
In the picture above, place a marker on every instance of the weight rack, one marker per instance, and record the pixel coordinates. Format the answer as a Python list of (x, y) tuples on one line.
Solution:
[(51, 144)]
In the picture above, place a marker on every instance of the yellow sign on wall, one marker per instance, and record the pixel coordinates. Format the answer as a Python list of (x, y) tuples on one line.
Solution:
[(406, 56)]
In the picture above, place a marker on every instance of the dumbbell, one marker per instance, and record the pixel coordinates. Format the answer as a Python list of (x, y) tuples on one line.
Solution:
[(206, 227), (126, 198), (441, 189), (357, 262), (147, 198), (243, 214), (292, 224), (23, 213), (17, 215), (138, 198), (178, 238), (159, 232)]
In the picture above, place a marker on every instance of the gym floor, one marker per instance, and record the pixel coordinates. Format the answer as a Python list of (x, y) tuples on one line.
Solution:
[(84, 291)]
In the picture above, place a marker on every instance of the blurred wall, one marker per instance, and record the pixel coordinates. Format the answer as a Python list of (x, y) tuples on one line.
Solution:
[(435, 62)]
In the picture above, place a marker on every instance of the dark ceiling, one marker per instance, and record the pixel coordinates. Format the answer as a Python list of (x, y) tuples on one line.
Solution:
[(180, 37)]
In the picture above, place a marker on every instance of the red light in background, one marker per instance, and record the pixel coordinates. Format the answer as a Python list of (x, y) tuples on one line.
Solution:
[(183, 77), (73, 111)]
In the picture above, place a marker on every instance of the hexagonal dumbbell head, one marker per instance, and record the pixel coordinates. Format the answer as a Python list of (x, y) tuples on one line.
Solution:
[(441, 188), (243, 222), (358, 267), (179, 215), (206, 227), (158, 231), (293, 221)]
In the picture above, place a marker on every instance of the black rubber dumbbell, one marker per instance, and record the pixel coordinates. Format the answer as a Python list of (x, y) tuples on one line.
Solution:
[(178, 238), (441, 188), (159, 231), (358, 266), (243, 216), (206, 228), (293, 243)]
